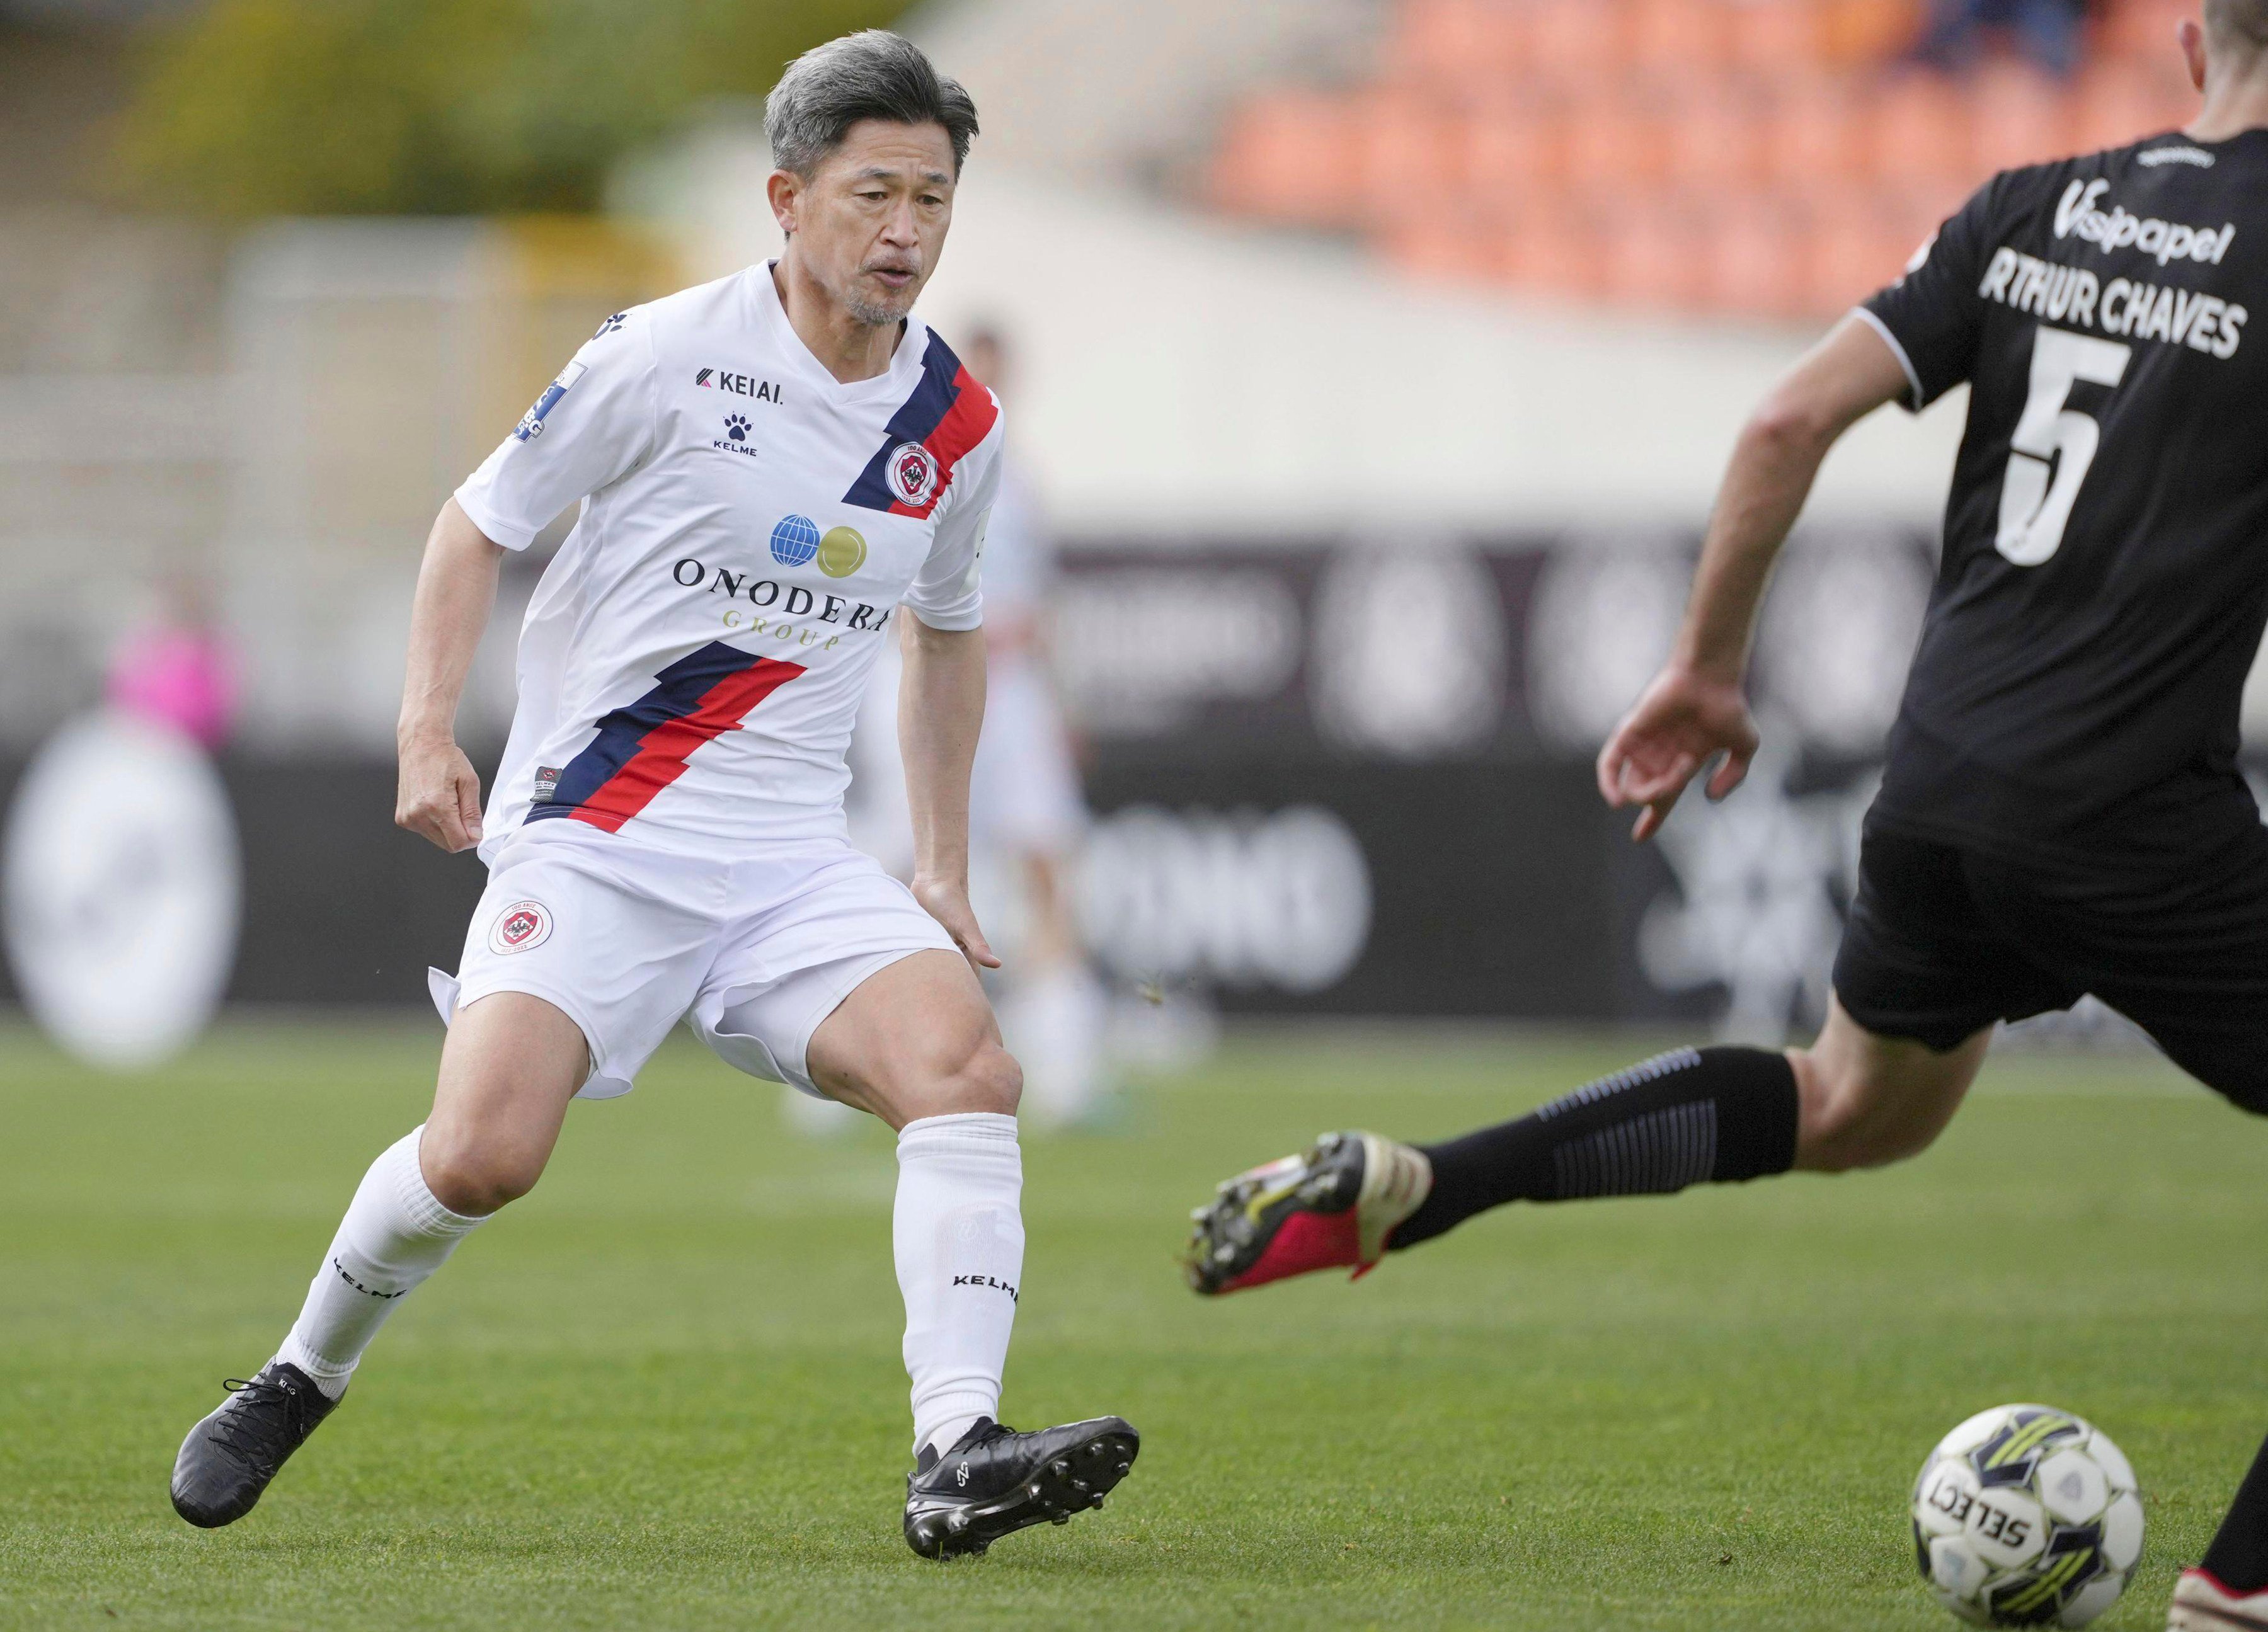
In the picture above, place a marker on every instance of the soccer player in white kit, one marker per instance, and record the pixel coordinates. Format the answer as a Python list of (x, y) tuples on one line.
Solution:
[(778, 471)]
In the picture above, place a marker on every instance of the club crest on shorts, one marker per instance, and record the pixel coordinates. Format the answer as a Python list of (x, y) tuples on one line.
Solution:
[(519, 926), (912, 474)]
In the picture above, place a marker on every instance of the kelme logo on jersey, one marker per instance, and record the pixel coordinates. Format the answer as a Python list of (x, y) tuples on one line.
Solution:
[(911, 474), (735, 439), (531, 424), (841, 552), (795, 540), (2077, 217)]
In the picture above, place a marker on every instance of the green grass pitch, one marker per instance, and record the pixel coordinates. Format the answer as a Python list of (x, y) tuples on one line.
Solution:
[(665, 1391)]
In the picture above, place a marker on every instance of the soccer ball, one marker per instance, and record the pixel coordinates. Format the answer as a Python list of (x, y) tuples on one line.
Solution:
[(2026, 1516)]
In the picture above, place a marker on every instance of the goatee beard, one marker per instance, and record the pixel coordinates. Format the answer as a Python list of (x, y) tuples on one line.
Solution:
[(874, 315)]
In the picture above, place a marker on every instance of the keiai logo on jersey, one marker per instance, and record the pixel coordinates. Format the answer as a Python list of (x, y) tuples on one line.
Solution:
[(531, 424), (2078, 217), (739, 384)]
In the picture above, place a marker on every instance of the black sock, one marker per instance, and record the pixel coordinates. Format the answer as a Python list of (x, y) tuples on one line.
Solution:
[(2238, 1557), (1722, 1114)]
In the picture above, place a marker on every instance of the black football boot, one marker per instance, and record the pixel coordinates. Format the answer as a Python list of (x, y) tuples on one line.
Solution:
[(996, 1482), (229, 1458)]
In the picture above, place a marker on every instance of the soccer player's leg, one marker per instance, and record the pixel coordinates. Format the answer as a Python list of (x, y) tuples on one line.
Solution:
[(573, 972), (915, 1044), (2174, 936), (510, 1066), (1921, 978)]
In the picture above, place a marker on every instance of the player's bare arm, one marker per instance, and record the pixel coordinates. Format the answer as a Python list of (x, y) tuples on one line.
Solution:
[(439, 794), (1695, 710), (940, 713)]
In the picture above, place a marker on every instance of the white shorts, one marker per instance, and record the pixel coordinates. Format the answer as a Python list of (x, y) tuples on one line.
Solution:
[(752, 955)]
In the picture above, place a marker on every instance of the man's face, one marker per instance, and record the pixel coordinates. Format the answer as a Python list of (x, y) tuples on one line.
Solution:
[(872, 218)]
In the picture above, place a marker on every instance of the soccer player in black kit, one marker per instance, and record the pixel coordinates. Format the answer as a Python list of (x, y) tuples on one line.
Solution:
[(2061, 813)]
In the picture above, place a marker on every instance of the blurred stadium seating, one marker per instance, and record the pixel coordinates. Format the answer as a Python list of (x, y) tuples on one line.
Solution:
[(1772, 158)]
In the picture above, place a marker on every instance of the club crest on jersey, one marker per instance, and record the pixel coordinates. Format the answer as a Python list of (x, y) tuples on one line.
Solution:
[(519, 927), (531, 424), (911, 474)]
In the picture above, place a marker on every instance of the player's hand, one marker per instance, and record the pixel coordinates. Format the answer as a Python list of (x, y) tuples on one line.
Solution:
[(439, 794), (1678, 724), (947, 902)]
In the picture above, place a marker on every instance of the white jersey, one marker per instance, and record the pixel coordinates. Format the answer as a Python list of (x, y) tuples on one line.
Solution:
[(692, 662)]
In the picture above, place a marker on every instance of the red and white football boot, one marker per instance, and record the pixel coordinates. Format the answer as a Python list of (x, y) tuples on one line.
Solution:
[(1332, 1208)]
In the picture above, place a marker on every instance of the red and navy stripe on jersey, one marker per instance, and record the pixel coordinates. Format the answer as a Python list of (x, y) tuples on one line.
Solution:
[(948, 412), (643, 748)]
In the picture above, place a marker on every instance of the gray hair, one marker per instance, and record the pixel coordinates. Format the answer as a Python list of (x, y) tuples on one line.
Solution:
[(2238, 25), (872, 74)]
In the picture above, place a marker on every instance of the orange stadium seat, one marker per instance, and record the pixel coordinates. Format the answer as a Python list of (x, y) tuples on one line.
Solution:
[(1814, 138), (1870, 30), (1578, 42), (1459, 44), (1770, 39), (1716, 139), (1678, 40), (1407, 156), (1289, 156), (1919, 131), (1552, 252), (1647, 256), (1753, 260), (1614, 141), (1510, 150), (2018, 116), (1443, 248), (1855, 251)]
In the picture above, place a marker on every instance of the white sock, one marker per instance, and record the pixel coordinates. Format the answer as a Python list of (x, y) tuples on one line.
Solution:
[(960, 1242), (395, 1233)]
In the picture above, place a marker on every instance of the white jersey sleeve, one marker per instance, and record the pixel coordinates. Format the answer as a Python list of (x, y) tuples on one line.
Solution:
[(592, 426), (945, 593)]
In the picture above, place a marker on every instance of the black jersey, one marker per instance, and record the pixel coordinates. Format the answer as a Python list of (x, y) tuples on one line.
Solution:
[(2105, 572)]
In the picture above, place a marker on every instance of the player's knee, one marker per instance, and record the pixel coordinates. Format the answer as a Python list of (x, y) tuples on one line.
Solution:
[(474, 1177), (989, 1079), (1850, 1122)]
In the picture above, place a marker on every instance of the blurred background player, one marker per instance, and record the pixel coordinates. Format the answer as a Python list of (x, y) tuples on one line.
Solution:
[(1026, 811), (2062, 813), (178, 668)]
